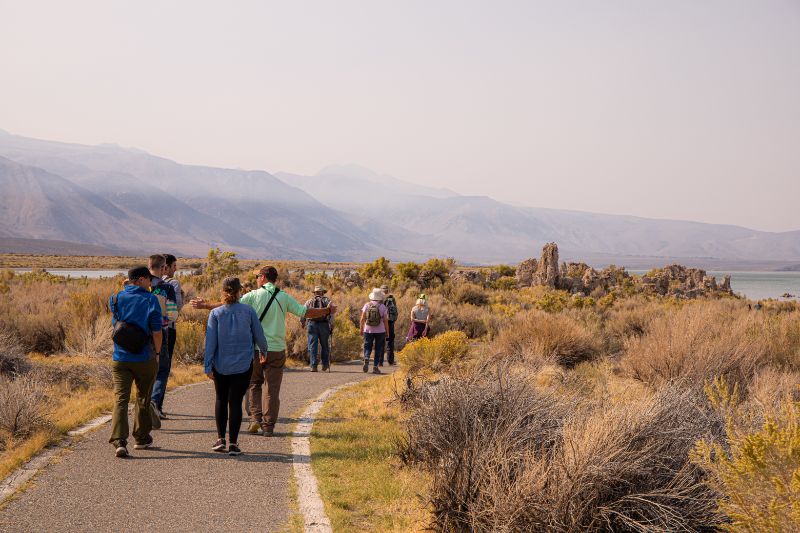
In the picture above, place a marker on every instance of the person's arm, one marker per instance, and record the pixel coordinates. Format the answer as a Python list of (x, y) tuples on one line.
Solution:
[(385, 319), (155, 322), (211, 344), (301, 311), (178, 292), (199, 303), (258, 332), (362, 321), (157, 338)]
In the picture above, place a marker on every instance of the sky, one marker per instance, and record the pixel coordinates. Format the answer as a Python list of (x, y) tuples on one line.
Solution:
[(682, 109)]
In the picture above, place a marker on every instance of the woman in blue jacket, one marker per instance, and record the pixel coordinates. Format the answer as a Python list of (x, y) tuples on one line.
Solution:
[(232, 333)]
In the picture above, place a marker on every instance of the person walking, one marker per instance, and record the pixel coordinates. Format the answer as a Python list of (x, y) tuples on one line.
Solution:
[(271, 304), (169, 276), (169, 313), (319, 331), (391, 317), (232, 333), (420, 320), (137, 321), (373, 326)]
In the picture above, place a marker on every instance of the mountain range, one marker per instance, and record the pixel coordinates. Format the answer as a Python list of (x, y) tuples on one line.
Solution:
[(126, 199)]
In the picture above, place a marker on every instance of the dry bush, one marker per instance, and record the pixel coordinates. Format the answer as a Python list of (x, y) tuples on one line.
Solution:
[(548, 338), (631, 318), (469, 293), (505, 456), (73, 373), (190, 341), (696, 344), (434, 354), (91, 339), (12, 358), (22, 408)]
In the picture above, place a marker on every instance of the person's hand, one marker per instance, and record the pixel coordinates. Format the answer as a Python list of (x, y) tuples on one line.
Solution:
[(197, 303), (332, 307), (262, 358), (362, 332), (210, 375)]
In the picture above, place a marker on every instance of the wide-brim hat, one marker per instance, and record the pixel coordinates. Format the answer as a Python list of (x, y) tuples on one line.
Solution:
[(420, 301), (323, 290), (377, 295)]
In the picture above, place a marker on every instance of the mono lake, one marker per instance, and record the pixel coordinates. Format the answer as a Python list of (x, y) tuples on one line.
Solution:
[(753, 285)]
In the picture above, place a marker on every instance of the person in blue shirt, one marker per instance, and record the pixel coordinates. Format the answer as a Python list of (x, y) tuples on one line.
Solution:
[(135, 304), (233, 332)]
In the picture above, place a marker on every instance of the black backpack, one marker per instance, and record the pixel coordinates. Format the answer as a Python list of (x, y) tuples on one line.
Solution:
[(391, 309), (129, 336)]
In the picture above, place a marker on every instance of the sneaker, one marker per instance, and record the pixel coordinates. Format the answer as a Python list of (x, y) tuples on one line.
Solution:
[(219, 446), (234, 449), (376, 370), (155, 416), (326, 368), (366, 365), (121, 451), (267, 432), (254, 428), (314, 368), (392, 363), (143, 445), (161, 414)]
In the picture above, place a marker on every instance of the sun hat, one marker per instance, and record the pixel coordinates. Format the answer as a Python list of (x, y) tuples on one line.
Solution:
[(376, 295), (231, 284), (317, 288), (420, 301)]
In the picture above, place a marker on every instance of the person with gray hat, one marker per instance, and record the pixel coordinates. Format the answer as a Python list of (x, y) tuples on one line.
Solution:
[(319, 331), (232, 334)]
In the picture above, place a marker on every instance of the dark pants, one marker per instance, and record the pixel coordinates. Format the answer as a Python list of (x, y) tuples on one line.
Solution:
[(173, 334), (390, 344), (230, 390), (123, 376), (164, 367), (377, 339), (264, 410), (318, 340)]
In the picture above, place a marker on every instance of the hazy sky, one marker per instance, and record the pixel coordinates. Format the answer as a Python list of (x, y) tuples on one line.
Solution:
[(670, 109)]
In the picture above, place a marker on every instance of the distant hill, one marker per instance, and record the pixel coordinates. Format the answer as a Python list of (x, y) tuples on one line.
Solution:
[(121, 198), (49, 247)]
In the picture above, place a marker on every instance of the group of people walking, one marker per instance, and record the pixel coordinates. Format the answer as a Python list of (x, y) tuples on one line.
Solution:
[(245, 347)]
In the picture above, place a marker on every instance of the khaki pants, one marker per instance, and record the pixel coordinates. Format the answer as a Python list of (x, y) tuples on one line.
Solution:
[(124, 375), (270, 372)]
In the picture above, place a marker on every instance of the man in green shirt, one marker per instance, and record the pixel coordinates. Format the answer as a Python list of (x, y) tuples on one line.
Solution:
[(269, 367)]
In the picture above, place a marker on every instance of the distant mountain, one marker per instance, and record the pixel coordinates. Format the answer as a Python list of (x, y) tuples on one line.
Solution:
[(122, 198)]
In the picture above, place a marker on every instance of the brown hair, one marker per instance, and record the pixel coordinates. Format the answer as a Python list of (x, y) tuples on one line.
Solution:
[(269, 272), (230, 297), (157, 261)]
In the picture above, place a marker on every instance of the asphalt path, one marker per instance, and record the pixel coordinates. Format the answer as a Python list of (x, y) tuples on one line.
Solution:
[(179, 484)]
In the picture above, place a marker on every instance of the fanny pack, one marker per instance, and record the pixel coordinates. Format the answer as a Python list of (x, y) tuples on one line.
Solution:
[(128, 336)]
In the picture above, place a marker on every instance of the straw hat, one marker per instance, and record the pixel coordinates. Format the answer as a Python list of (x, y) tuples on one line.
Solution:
[(421, 302), (317, 288), (376, 295)]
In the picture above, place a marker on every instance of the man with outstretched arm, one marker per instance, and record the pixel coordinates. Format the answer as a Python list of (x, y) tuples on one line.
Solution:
[(168, 301), (271, 304)]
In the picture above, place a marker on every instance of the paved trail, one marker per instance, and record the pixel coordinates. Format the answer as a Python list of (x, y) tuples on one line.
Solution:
[(179, 484)]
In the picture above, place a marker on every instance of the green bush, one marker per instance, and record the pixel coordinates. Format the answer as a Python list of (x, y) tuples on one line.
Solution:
[(408, 271), (377, 270)]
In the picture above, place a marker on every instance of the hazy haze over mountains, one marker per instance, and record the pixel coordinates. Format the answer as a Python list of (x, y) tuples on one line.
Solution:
[(115, 197)]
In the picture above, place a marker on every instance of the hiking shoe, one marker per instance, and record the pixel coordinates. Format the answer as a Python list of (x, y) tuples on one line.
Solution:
[(143, 445), (219, 446), (155, 416), (314, 368), (380, 364), (121, 452), (326, 368), (376, 370), (234, 449), (161, 414), (267, 432), (366, 365)]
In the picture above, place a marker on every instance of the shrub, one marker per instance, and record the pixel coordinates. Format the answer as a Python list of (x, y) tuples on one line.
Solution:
[(435, 272), (757, 473), (218, 266), (377, 270), (408, 271), (190, 341), (22, 408), (347, 342), (469, 293), (12, 358), (545, 338), (91, 339), (505, 271), (434, 354), (505, 456), (505, 283)]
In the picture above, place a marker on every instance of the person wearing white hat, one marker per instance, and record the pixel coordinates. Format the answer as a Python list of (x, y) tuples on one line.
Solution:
[(373, 327)]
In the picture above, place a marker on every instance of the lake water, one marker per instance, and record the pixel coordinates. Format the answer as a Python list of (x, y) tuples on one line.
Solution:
[(753, 285)]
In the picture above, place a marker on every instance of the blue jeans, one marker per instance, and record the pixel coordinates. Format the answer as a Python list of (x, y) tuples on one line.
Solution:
[(379, 340), (164, 366), (318, 337)]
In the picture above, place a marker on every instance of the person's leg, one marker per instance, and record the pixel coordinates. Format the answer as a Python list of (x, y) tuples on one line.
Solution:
[(173, 335), (256, 382), (238, 386), (390, 343), (313, 343), (323, 333), (222, 390), (273, 377), (164, 366), (380, 344), (122, 379), (143, 374)]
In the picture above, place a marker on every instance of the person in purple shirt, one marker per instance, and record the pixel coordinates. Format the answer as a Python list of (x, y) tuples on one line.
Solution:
[(232, 334), (374, 325)]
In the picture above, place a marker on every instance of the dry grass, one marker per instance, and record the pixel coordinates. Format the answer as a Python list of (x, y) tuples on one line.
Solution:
[(22, 409), (352, 450)]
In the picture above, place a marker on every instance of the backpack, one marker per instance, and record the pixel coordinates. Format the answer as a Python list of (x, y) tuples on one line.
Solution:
[(391, 309), (373, 315)]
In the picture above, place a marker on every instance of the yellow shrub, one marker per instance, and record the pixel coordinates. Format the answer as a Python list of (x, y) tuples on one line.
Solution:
[(190, 340), (434, 354)]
